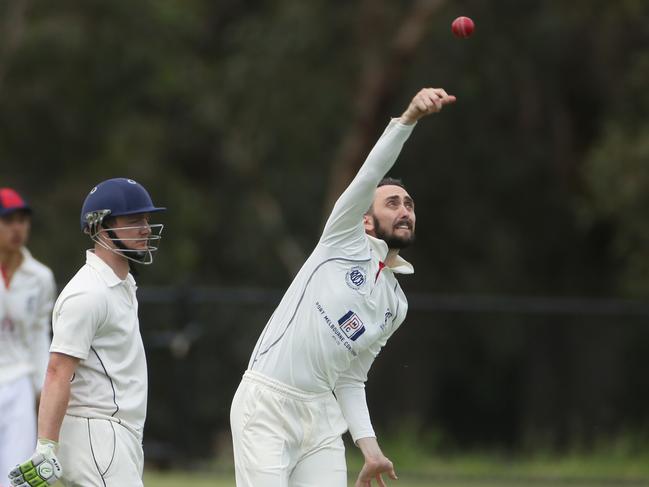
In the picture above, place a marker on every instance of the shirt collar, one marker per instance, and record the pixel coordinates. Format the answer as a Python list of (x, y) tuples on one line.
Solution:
[(401, 266), (27, 258), (27, 255), (27, 265), (105, 271)]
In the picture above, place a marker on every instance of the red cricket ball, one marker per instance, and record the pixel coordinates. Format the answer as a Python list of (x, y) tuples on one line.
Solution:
[(462, 27)]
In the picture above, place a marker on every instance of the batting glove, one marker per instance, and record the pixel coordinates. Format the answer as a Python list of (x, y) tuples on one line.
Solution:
[(41, 470)]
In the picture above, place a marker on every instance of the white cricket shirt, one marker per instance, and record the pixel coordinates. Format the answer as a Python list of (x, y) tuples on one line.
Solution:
[(25, 314), (340, 309), (95, 319)]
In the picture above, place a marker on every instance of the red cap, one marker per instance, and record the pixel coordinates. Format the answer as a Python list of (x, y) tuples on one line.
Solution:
[(11, 201)]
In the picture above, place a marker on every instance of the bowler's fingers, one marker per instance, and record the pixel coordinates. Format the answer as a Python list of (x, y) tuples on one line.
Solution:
[(432, 100), (445, 97), (435, 99), (442, 98), (379, 480), (422, 103)]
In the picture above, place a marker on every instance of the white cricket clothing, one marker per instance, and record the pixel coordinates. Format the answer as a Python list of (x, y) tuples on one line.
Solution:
[(95, 319), (305, 448), (25, 314), (101, 453), (343, 305), (17, 424)]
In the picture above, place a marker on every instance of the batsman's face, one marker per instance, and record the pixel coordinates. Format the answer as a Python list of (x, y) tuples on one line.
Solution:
[(392, 217), (14, 231), (133, 230)]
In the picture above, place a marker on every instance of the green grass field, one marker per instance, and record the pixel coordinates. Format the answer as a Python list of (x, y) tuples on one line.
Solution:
[(479, 471), (174, 479), (624, 463)]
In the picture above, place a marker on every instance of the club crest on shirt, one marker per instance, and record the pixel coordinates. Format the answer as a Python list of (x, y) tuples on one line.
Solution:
[(351, 325), (355, 277)]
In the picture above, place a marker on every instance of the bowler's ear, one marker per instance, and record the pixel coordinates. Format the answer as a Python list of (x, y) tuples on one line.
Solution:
[(368, 223)]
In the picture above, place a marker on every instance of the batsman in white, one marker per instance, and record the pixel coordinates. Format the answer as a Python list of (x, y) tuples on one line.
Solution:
[(305, 382), (26, 298), (93, 403)]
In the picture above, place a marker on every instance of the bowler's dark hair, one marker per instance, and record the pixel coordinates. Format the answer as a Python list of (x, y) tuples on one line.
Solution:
[(387, 181), (391, 182)]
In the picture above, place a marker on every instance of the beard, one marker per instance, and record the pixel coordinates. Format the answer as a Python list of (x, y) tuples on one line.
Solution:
[(393, 241)]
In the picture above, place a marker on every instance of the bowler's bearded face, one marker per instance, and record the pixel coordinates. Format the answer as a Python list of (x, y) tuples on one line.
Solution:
[(392, 217)]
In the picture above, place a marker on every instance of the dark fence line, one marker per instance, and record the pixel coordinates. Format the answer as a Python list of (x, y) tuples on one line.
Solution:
[(486, 370), (462, 303)]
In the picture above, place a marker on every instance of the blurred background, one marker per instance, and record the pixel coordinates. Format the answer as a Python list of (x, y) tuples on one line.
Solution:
[(528, 327)]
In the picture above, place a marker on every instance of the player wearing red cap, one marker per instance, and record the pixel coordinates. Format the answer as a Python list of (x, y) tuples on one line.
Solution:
[(26, 297)]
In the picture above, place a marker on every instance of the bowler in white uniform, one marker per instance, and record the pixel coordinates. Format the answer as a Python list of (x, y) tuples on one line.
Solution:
[(305, 382), (93, 404), (27, 293)]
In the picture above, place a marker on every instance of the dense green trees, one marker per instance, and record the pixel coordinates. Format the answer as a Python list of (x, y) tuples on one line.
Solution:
[(245, 118)]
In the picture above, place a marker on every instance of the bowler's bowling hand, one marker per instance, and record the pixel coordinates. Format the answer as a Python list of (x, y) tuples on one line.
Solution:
[(427, 101)]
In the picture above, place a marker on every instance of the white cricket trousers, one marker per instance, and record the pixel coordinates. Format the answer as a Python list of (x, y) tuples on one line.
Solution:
[(99, 453), (284, 437), (17, 425)]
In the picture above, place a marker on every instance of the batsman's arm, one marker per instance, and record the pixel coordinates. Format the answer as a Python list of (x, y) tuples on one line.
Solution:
[(75, 321), (43, 468), (55, 395)]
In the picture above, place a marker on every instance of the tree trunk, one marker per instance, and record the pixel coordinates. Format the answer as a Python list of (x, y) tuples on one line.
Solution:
[(13, 28), (379, 80)]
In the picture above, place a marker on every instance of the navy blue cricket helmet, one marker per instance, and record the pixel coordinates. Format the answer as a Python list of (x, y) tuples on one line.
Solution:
[(115, 197)]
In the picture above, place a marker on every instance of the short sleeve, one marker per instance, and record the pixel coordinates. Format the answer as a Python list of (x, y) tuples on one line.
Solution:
[(76, 319)]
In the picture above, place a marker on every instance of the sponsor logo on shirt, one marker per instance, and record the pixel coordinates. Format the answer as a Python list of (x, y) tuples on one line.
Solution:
[(355, 277), (386, 317), (351, 325), (337, 333)]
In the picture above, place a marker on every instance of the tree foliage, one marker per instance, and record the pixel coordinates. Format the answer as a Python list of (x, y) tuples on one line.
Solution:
[(244, 118)]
